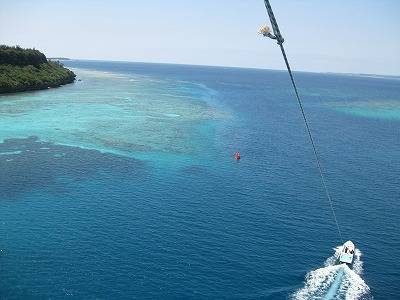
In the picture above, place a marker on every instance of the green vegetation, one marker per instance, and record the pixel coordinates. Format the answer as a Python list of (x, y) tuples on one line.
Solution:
[(28, 69)]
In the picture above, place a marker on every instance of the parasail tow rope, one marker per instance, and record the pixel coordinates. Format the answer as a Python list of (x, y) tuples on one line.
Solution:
[(265, 31)]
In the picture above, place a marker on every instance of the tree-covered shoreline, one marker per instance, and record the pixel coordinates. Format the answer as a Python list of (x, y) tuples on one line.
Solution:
[(28, 69)]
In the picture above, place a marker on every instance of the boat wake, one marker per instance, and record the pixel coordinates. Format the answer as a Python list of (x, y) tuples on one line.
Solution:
[(335, 281)]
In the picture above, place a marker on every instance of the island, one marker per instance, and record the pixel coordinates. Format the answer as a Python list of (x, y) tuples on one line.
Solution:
[(29, 69)]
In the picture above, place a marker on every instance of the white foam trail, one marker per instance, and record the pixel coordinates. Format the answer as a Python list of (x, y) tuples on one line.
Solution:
[(335, 281)]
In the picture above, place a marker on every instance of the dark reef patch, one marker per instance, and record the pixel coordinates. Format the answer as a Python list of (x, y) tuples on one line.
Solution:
[(27, 164)]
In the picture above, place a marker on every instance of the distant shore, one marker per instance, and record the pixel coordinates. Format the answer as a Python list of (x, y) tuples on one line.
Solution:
[(28, 69), (58, 58)]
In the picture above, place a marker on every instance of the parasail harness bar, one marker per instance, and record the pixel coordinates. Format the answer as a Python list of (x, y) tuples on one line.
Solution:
[(265, 31)]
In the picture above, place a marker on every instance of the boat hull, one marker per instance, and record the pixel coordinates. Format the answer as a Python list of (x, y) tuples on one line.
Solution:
[(346, 258), (347, 253)]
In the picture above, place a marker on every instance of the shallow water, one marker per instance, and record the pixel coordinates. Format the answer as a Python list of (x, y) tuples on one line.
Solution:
[(123, 185), (105, 111)]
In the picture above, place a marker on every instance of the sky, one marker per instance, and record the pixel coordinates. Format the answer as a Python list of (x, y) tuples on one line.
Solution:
[(346, 36)]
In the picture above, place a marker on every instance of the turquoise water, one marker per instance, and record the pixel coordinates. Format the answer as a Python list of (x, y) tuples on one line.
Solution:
[(123, 185), (107, 118), (377, 109)]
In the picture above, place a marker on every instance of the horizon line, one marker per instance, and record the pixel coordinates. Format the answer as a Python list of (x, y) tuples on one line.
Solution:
[(224, 66)]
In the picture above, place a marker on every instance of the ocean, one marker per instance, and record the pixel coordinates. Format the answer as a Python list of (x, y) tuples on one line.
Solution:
[(123, 185)]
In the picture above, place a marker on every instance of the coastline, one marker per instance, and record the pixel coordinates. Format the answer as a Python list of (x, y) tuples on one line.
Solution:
[(30, 78), (24, 70)]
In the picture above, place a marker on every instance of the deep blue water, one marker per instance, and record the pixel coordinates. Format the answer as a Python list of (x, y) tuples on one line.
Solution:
[(95, 207)]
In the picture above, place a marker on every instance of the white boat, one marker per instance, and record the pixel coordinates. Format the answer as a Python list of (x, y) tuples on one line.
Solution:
[(347, 253)]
